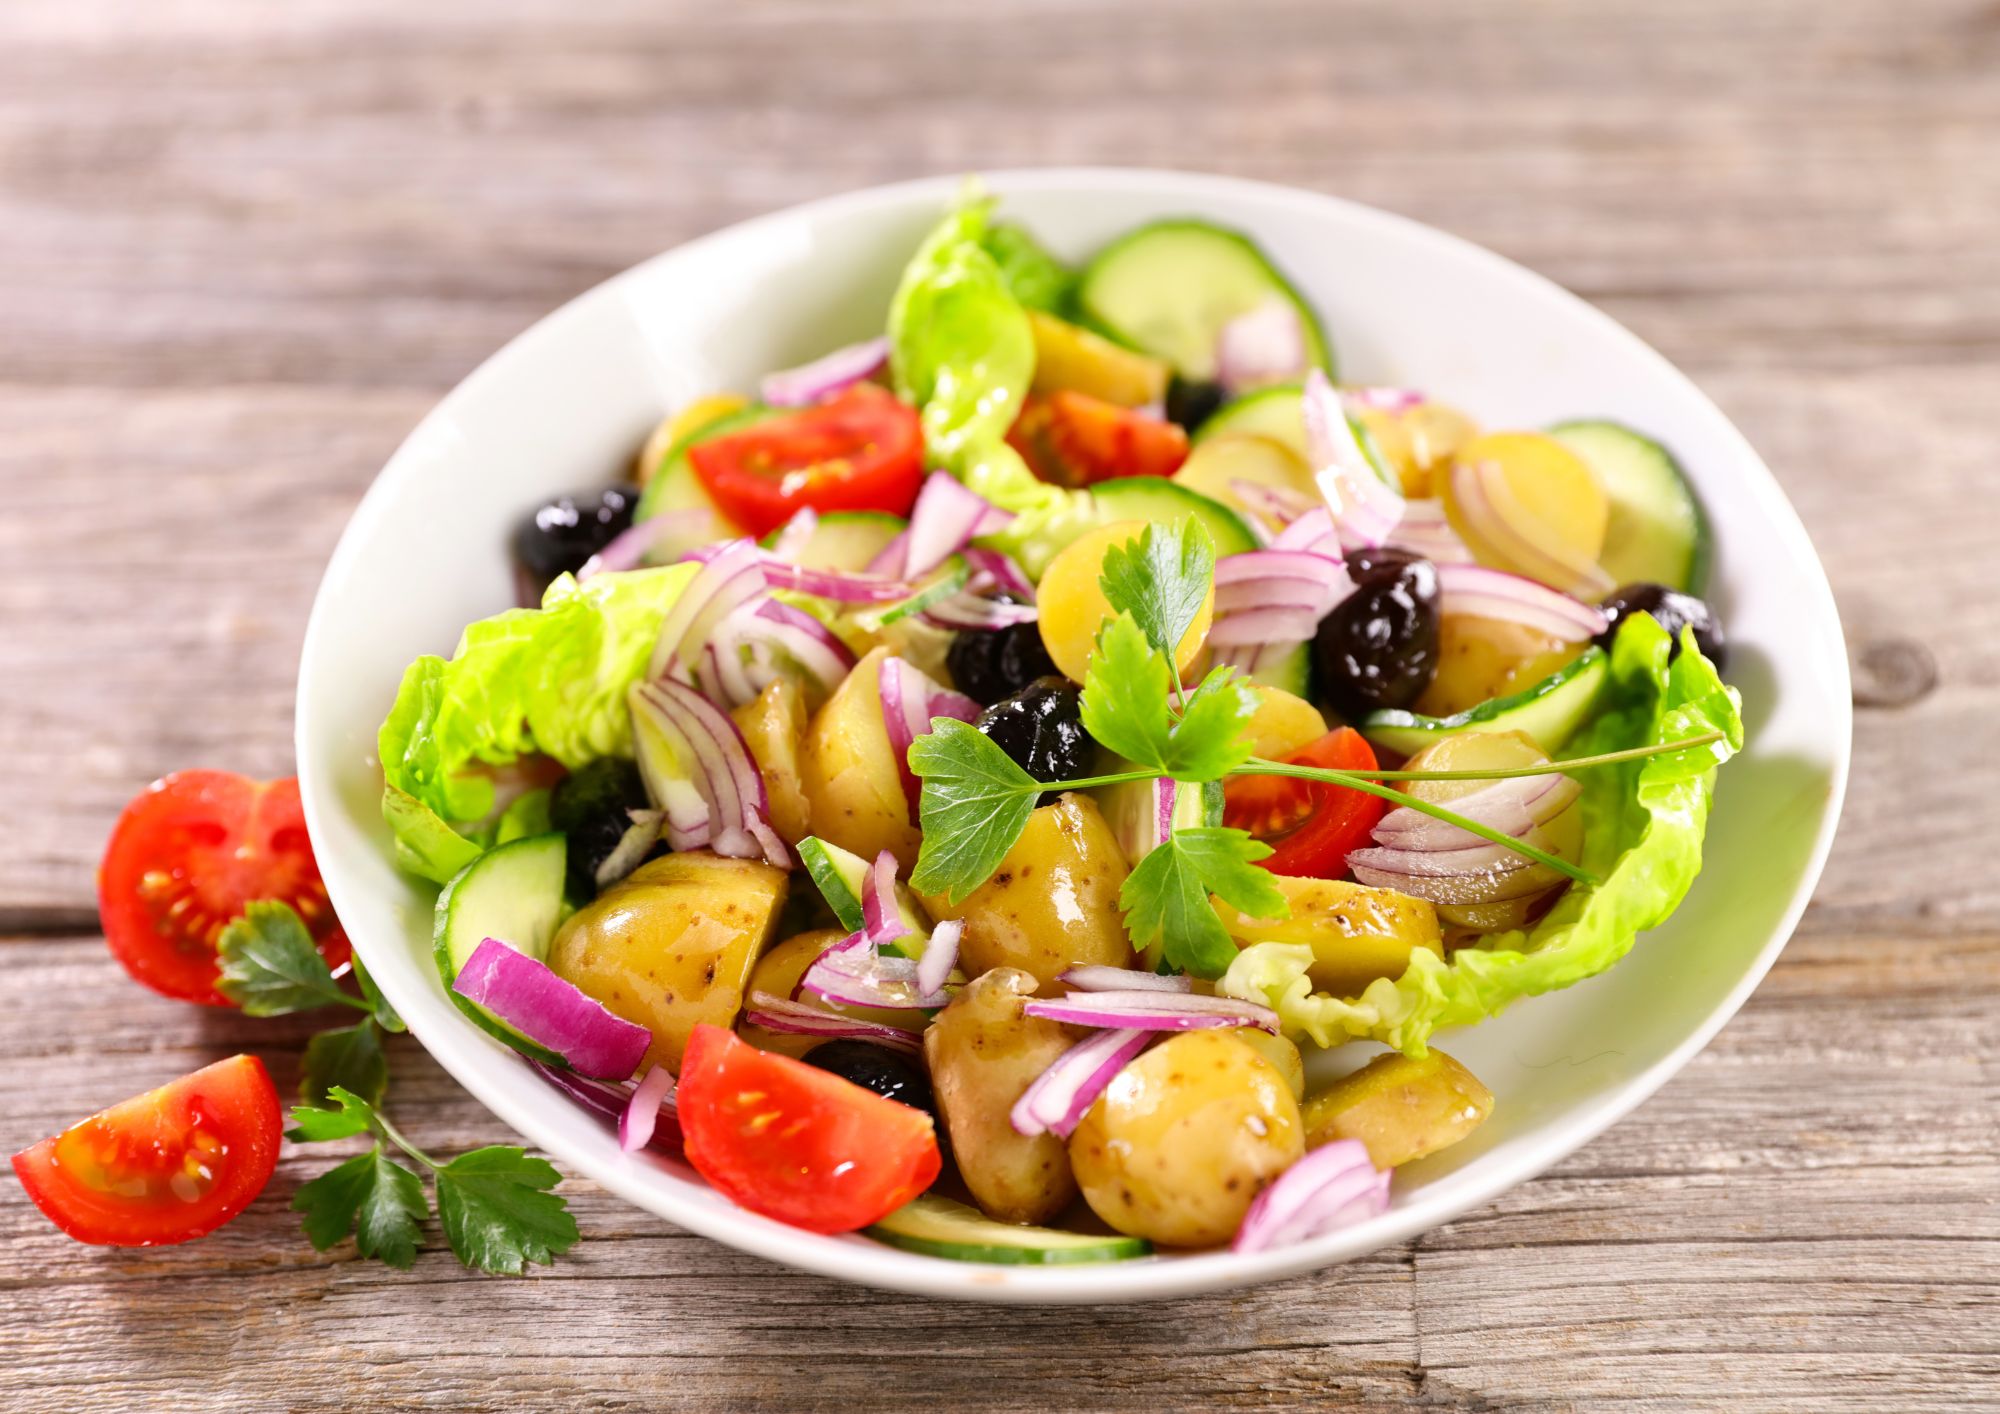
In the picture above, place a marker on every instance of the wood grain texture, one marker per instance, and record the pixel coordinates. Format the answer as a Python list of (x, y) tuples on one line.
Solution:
[(244, 246)]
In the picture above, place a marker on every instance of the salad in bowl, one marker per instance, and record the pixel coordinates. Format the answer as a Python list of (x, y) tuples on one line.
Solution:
[(948, 791)]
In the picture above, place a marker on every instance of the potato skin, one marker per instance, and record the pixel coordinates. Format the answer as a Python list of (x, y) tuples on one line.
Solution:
[(1401, 1109), (778, 972), (773, 726), (672, 944), (1052, 903), (983, 1054), (1357, 933), (1184, 1139), (847, 771)]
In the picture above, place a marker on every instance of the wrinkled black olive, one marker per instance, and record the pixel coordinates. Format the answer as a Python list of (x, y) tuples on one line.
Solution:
[(1193, 401), (567, 531), (1379, 647), (1041, 728), (876, 1068), (989, 664), (1675, 610), (590, 806)]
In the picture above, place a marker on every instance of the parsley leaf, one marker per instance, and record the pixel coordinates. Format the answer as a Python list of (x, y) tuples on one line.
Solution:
[(270, 965), (350, 1057), (976, 802), (372, 1196), (1166, 897), (1125, 694), (1161, 579), (1209, 741), (313, 1125), (497, 1212)]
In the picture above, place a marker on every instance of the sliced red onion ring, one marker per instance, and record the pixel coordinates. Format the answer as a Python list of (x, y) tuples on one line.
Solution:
[(796, 1019), (731, 576), (1151, 1010), (1424, 530), (1275, 502), (1365, 509), (642, 1112), (1479, 591), (795, 535), (1495, 514), (1060, 1096), (777, 635), (826, 375), (1008, 576), (1512, 807), (658, 539), (553, 1013), (633, 846), (1265, 345), (1280, 579), (910, 701), (971, 611), (609, 1103), (1333, 1186), (948, 515), (838, 585), (1383, 399), (940, 957), (698, 769), (1095, 977), (1311, 531), (1264, 626), (881, 919), (1478, 874), (863, 977)]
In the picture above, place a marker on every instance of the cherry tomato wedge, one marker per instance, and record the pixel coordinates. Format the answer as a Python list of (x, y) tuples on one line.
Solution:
[(187, 854), (797, 1143), (860, 450), (1072, 439), (162, 1167), (1310, 826)]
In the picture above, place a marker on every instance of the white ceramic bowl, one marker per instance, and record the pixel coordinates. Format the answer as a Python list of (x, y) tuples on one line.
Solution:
[(564, 405)]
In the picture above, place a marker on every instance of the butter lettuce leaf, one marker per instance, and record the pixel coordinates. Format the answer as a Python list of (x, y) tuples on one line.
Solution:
[(1643, 827)]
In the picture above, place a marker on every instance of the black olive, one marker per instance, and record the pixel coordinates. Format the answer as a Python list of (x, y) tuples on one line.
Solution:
[(1041, 727), (561, 535), (876, 1068), (1193, 401), (1379, 647), (1675, 610), (988, 664), (590, 805)]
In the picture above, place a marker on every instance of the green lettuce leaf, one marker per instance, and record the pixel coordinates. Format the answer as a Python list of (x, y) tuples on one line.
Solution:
[(549, 680), (1643, 826), (1032, 275)]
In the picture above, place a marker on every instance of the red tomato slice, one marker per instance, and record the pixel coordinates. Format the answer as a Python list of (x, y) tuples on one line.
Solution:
[(185, 857), (1072, 439), (1310, 826), (860, 450), (163, 1167), (797, 1143)]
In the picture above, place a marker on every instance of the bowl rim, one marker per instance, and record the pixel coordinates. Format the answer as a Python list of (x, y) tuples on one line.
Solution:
[(468, 1057)]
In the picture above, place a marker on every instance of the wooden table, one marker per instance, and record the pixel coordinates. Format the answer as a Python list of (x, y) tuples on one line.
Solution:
[(244, 246)]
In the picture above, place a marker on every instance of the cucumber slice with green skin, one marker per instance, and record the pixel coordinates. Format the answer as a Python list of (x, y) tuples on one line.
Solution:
[(1657, 532), (841, 876), (1293, 673), (1549, 712), (938, 1227), (1157, 499), (675, 486), (844, 540), (1274, 412), (1168, 288), (514, 893)]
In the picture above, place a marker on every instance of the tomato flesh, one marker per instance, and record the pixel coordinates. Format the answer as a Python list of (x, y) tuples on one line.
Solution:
[(797, 1143), (1311, 826), (1072, 439), (188, 853), (860, 450), (163, 1167)]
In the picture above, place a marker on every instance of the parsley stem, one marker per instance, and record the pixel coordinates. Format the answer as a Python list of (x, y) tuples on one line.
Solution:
[(396, 1137), (1092, 782), (1550, 768)]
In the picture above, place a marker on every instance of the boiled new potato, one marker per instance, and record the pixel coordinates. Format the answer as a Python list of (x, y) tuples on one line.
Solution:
[(1542, 513), (1052, 903), (847, 771), (1216, 466), (1282, 723), (1184, 1138), (1562, 836), (1402, 1109), (778, 972), (1073, 606), (1418, 441), (1479, 659), (983, 1052), (1356, 933), (1072, 359), (1281, 1053), (773, 725), (672, 944)]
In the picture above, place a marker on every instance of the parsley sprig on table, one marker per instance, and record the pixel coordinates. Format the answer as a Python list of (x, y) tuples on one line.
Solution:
[(493, 1204), (976, 799)]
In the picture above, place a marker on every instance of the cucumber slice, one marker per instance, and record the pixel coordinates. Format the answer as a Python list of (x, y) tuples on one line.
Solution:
[(1168, 288), (675, 486), (1657, 532), (513, 893), (1293, 672), (1549, 712), (1131, 809), (1272, 412), (840, 876), (1157, 499), (845, 540), (938, 1227)]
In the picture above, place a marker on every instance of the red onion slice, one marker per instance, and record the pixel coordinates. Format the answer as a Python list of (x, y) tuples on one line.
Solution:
[(972, 612), (609, 1103), (795, 535), (1060, 1096), (1265, 345), (796, 1019), (1495, 515), (688, 744), (642, 1112), (553, 1013), (658, 539), (1275, 579), (1333, 1186), (1512, 807), (1477, 590), (948, 515), (778, 635), (863, 977), (730, 577), (1383, 399), (1293, 625), (1008, 577), (826, 375), (940, 957), (1273, 502), (1095, 977), (1150, 1010), (1312, 531), (910, 701), (1365, 509), (881, 919), (1425, 530)]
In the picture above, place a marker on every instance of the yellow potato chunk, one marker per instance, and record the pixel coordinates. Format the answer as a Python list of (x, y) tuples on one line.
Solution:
[(1073, 607), (1356, 933), (1069, 358), (773, 726), (1545, 514), (1282, 723), (847, 772), (778, 972), (1478, 659), (1215, 467), (1402, 1109)]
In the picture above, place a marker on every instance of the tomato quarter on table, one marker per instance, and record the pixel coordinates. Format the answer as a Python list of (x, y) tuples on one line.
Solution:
[(860, 450), (162, 1167), (188, 853), (1072, 439), (797, 1143), (1311, 826)]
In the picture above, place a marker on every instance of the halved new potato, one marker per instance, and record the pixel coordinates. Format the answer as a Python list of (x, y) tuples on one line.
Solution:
[(847, 771), (773, 726), (1356, 933), (1402, 1109), (1073, 606)]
